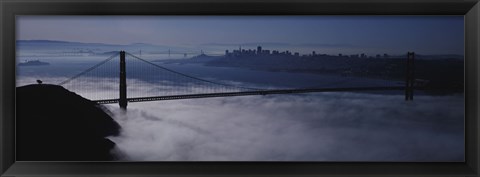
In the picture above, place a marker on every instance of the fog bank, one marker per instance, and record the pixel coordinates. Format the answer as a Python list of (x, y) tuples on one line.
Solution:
[(309, 127)]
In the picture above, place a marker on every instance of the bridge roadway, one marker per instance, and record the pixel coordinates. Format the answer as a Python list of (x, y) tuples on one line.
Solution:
[(247, 93)]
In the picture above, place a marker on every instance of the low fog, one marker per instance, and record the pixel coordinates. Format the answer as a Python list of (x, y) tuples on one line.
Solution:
[(303, 127)]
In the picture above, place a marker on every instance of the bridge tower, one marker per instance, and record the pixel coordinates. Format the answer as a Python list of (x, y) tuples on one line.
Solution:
[(123, 82), (409, 79)]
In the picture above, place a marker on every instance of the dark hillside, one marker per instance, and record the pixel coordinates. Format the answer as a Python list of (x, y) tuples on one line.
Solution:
[(54, 124)]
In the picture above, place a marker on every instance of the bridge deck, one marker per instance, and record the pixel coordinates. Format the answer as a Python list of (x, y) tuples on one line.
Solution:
[(263, 92)]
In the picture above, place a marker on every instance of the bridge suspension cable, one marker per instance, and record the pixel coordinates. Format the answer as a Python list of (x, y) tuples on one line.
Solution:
[(191, 77), (89, 69)]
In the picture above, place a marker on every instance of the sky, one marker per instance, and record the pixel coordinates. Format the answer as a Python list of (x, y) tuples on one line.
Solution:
[(332, 34)]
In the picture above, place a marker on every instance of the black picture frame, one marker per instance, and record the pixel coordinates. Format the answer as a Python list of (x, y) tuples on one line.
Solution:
[(10, 8)]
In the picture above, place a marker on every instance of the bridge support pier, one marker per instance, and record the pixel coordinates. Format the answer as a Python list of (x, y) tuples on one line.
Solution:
[(409, 78), (123, 82)]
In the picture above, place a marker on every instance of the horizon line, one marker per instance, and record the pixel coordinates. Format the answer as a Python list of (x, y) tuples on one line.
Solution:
[(230, 44)]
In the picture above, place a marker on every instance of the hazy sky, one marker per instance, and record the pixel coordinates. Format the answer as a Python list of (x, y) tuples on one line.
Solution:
[(348, 34)]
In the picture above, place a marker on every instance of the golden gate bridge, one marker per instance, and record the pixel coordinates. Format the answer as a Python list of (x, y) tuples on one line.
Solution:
[(109, 81)]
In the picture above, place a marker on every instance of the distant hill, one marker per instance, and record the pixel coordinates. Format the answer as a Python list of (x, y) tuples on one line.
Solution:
[(54, 42), (196, 59), (44, 45), (435, 57)]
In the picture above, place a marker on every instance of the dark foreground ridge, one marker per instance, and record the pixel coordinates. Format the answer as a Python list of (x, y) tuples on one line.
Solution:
[(54, 124)]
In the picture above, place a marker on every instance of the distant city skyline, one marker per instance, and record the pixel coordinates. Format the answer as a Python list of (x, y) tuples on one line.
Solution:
[(325, 34)]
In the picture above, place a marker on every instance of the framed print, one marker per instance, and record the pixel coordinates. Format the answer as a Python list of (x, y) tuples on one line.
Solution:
[(239, 88)]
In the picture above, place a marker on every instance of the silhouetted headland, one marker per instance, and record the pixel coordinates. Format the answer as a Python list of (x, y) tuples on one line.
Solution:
[(54, 124)]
